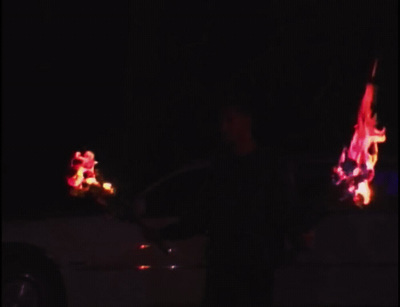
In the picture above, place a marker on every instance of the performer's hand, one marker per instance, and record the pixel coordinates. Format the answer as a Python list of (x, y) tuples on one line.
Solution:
[(101, 201)]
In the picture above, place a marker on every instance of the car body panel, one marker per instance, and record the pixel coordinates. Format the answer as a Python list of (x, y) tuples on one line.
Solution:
[(107, 262), (101, 257)]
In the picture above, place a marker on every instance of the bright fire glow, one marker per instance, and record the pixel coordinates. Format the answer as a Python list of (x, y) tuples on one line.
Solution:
[(108, 187), (356, 164), (84, 174)]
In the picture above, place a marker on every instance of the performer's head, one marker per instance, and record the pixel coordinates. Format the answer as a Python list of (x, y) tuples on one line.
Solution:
[(236, 127)]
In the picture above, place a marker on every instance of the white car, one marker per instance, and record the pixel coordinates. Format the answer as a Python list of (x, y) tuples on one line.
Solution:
[(80, 256)]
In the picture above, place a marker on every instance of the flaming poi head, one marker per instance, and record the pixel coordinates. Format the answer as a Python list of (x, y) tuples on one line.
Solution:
[(84, 178), (355, 169)]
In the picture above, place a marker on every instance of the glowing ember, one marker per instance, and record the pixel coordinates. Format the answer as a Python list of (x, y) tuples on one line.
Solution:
[(84, 175), (355, 169), (108, 187)]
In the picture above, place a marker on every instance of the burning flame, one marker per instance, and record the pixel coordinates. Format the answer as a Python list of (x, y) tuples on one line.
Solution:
[(356, 164), (84, 174)]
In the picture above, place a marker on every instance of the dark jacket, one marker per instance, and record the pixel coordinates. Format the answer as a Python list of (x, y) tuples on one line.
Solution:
[(248, 211)]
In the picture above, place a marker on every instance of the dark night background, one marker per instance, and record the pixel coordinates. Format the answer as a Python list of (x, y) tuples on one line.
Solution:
[(139, 83)]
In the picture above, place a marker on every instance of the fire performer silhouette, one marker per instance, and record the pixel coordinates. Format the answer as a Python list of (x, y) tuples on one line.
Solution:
[(247, 216)]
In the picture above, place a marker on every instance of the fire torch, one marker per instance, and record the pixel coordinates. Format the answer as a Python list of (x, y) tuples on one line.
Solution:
[(355, 169), (85, 181)]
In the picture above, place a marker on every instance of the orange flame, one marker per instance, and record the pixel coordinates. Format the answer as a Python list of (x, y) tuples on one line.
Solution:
[(356, 164), (84, 176)]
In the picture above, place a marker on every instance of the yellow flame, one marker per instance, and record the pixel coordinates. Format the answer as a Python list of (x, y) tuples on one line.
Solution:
[(365, 191), (85, 175), (108, 187)]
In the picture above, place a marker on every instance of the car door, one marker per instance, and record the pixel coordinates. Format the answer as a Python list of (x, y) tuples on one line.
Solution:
[(97, 255), (178, 276), (106, 261)]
